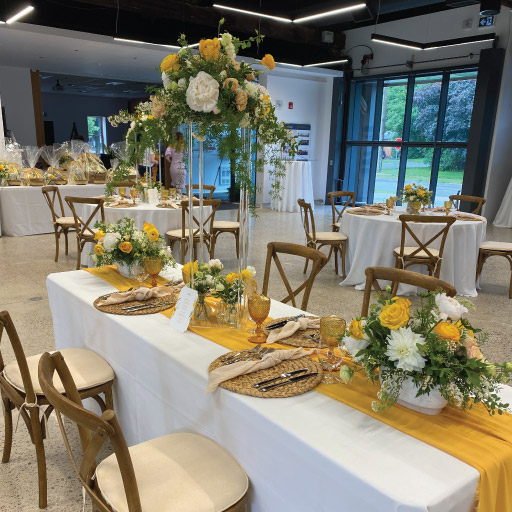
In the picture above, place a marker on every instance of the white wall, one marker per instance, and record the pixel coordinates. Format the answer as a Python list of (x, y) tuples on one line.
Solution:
[(63, 109), (499, 173), (311, 97), (16, 94)]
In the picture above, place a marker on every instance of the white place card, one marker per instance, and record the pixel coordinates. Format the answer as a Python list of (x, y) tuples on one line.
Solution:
[(184, 309)]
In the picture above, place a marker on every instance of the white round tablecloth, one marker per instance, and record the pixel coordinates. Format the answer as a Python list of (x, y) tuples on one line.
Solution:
[(164, 219), (23, 210), (503, 218), (297, 183), (371, 240)]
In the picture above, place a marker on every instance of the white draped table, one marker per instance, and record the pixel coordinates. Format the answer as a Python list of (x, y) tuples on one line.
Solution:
[(302, 454), (164, 219), (23, 210), (503, 218), (371, 240), (297, 183)]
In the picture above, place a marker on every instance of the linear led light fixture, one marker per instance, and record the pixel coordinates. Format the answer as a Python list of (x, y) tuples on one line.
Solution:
[(253, 13), (332, 62), (396, 41), (144, 42), (462, 40), (2, 22), (288, 64), (20, 14), (331, 13), (195, 45)]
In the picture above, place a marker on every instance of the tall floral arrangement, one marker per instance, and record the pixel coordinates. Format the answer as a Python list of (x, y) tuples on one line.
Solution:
[(435, 346), (221, 97)]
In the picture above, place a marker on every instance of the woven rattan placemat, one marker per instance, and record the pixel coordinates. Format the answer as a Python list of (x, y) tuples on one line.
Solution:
[(243, 384), (364, 211), (124, 205), (116, 309), (298, 339), (168, 206), (467, 217)]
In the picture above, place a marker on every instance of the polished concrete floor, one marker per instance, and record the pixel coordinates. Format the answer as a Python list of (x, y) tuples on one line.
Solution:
[(26, 261)]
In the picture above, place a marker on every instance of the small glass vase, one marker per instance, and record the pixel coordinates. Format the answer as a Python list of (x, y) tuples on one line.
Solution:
[(229, 314), (410, 208), (202, 310)]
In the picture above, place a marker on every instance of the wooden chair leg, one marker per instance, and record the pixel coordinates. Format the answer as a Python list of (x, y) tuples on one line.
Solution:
[(237, 243), (57, 237), (334, 249), (41, 467), (109, 398), (480, 264), (66, 240), (8, 406), (183, 245), (343, 253), (78, 253)]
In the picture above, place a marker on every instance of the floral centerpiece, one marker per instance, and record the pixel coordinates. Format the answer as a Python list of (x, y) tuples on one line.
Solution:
[(416, 194), (4, 171), (124, 244), (431, 352)]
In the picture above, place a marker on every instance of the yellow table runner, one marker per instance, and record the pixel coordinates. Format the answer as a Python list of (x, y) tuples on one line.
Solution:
[(475, 437)]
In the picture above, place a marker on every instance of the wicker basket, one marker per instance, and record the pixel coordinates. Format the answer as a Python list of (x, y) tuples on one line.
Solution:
[(14, 183), (81, 182), (98, 177), (36, 182), (61, 182)]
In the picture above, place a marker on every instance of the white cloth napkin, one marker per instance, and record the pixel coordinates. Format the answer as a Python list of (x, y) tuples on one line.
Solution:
[(292, 327), (231, 371), (141, 294)]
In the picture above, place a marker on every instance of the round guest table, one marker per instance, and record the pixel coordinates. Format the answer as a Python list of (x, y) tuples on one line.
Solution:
[(164, 219), (297, 183), (372, 239), (23, 210)]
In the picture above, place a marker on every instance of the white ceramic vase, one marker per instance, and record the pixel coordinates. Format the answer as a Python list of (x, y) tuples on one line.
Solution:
[(123, 269), (430, 404)]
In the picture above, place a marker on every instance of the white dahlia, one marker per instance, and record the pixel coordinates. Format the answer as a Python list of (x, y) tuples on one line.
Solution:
[(402, 348)]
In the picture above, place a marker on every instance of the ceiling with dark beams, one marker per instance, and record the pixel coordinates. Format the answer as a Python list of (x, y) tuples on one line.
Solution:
[(162, 21)]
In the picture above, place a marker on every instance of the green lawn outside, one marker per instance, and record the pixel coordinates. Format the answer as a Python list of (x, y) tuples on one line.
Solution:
[(420, 173)]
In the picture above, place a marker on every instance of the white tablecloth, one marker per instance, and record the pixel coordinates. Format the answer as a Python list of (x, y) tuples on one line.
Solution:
[(164, 219), (305, 453), (297, 183), (504, 216), (371, 240), (24, 211)]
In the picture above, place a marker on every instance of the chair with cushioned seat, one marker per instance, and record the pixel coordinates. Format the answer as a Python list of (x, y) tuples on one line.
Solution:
[(209, 188), (61, 223), (174, 473), (488, 249), (347, 200), (422, 254), (336, 241), (20, 389), (479, 201), (225, 226), (84, 232)]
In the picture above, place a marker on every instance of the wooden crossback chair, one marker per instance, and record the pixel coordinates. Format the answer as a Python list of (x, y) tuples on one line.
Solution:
[(405, 256), (211, 189), (181, 235), (84, 230), (400, 276), (488, 249), (318, 258), (174, 472), (337, 242), (61, 223), (348, 200), (226, 226), (20, 389), (480, 201)]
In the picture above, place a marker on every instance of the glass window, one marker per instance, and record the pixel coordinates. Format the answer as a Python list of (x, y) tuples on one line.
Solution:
[(97, 133), (451, 173), (419, 166), (394, 95), (425, 108), (358, 160), (363, 111), (386, 177), (461, 95)]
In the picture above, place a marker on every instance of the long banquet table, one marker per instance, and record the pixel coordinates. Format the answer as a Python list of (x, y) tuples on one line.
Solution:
[(23, 210), (305, 453)]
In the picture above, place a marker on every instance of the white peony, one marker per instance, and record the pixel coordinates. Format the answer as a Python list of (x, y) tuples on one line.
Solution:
[(110, 241), (449, 308), (165, 80), (252, 270), (216, 264), (203, 93), (403, 350), (354, 345)]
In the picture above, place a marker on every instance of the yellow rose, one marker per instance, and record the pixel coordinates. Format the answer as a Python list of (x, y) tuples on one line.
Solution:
[(447, 331), (268, 61), (148, 226), (153, 235), (230, 83), (421, 193), (402, 300), (170, 63), (125, 247), (99, 235), (408, 187), (231, 278), (241, 100), (186, 270), (356, 329), (246, 274), (394, 315), (209, 49), (99, 250), (150, 117)]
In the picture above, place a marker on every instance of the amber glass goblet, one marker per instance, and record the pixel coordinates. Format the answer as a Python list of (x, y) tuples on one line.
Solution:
[(153, 268), (172, 193), (448, 206), (165, 194), (134, 193), (259, 307), (416, 205), (331, 328), (122, 192), (389, 204)]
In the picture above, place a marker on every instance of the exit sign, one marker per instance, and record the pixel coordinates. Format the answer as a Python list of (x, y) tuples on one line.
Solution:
[(486, 21)]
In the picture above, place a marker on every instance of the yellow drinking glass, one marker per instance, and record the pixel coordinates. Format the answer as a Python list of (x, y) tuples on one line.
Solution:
[(165, 194), (389, 204), (172, 193), (416, 205), (331, 328), (259, 307), (448, 206), (122, 192), (153, 268), (134, 193)]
